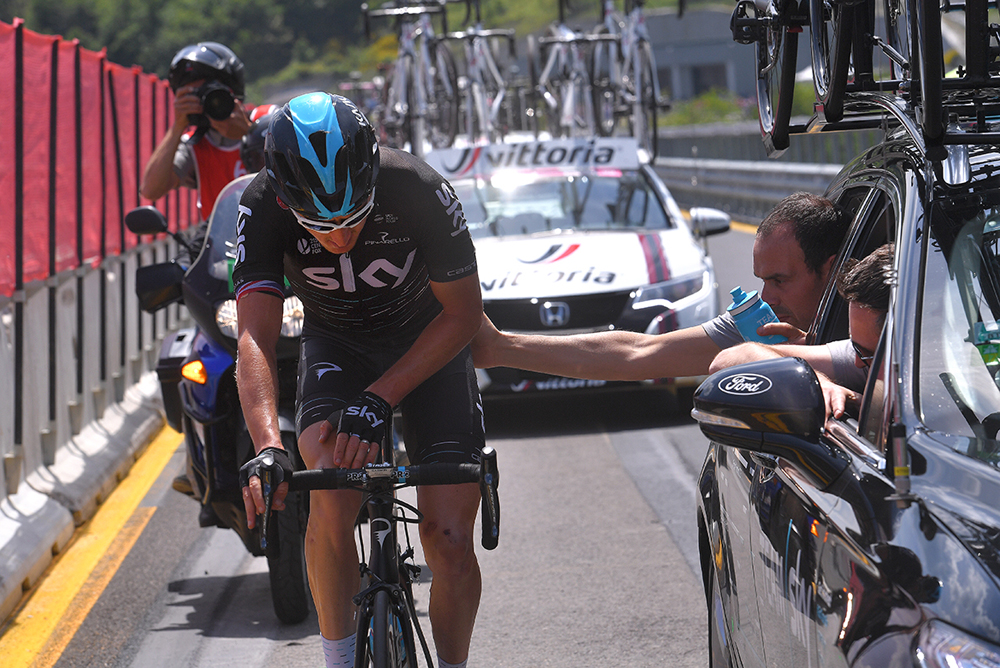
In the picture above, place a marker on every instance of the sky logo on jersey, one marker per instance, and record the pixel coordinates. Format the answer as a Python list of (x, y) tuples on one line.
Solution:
[(446, 195), (555, 253), (241, 221)]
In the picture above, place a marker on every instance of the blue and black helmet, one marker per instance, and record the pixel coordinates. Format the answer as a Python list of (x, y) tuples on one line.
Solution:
[(321, 157)]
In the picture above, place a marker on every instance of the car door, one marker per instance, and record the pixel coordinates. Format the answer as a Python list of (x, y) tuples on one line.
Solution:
[(791, 526), (736, 471)]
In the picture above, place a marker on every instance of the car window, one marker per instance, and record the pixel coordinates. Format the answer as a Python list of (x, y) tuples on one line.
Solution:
[(959, 354), (873, 224), (514, 204)]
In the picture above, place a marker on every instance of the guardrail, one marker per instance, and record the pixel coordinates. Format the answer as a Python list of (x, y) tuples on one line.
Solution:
[(745, 189)]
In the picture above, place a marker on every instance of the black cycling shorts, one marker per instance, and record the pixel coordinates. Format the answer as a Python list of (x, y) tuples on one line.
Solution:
[(442, 417)]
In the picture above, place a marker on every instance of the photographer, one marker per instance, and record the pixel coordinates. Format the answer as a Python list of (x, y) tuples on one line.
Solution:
[(202, 148)]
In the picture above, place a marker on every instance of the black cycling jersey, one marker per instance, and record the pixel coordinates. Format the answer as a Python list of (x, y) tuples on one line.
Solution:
[(416, 233)]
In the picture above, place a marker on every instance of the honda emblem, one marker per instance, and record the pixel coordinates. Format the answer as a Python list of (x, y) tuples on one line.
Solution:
[(554, 314)]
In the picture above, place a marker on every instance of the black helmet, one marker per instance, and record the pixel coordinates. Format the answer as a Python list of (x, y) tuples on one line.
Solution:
[(252, 145), (322, 159), (207, 60)]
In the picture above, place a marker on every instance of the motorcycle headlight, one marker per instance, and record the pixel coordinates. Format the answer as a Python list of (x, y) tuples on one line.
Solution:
[(668, 293), (291, 318), (944, 646), (225, 318)]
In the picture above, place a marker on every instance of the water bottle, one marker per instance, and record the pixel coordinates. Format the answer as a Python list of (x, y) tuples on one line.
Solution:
[(750, 312)]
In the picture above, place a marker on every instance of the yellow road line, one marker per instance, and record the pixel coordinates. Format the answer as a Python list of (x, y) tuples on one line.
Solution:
[(39, 632), (743, 227)]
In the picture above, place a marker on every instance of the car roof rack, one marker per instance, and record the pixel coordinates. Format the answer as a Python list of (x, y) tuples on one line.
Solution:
[(938, 111)]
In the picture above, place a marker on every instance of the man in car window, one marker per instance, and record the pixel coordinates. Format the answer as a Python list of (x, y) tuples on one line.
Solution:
[(863, 285), (793, 254)]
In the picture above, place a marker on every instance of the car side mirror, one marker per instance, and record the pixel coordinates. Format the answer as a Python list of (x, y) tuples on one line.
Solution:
[(774, 407), (706, 222)]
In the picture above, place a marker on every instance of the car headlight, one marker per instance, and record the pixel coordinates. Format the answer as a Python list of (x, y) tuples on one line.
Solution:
[(291, 317), (668, 293), (944, 646)]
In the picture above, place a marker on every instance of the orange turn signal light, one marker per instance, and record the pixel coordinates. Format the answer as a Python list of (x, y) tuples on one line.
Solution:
[(195, 372)]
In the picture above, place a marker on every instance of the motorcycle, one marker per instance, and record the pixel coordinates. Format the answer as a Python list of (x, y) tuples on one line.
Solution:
[(196, 370)]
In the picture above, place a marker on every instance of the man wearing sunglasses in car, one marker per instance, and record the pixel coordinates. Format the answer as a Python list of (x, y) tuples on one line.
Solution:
[(863, 284), (374, 243)]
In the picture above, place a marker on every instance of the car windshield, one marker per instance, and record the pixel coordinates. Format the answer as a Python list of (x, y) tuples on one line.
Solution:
[(516, 203), (221, 243), (959, 351)]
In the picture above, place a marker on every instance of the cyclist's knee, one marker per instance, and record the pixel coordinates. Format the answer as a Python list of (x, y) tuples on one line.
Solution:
[(315, 454), (448, 545), (334, 512)]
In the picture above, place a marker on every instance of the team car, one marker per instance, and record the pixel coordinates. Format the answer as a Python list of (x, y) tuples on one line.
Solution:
[(872, 540), (579, 235)]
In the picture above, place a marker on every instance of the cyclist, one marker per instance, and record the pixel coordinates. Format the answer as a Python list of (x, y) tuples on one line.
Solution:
[(793, 253), (374, 243), (202, 148)]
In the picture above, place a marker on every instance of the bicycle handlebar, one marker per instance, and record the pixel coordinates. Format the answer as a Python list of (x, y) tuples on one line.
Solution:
[(485, 473), (405, 10)]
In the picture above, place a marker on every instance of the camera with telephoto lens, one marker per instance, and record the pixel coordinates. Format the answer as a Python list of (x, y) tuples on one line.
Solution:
[(217, 99)]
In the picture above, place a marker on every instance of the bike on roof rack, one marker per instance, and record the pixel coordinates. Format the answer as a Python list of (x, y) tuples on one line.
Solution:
[(852, 91)]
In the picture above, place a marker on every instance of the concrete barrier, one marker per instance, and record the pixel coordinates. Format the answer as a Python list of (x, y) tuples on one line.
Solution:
[(81, 358)]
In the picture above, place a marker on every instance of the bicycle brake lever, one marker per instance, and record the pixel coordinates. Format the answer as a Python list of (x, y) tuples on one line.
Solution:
[(268, 489)]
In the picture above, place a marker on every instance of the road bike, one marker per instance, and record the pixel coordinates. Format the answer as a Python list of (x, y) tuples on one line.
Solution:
[(561, 89), (624, 75), (485, 86), (388, 627), (419, 101)]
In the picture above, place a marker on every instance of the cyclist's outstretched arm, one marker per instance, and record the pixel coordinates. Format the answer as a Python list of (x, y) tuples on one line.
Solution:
[(259, 316)]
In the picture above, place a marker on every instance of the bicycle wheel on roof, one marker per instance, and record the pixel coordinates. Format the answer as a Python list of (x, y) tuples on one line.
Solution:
[(644, 114), (831, 25), (776, 51)]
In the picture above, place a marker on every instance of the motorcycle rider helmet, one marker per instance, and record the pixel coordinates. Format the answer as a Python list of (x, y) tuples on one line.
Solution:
[(207, 60), (322, 160), (252, 144)]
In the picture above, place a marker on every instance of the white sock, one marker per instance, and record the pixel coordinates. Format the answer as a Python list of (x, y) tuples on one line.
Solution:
[(444, 664), (339, 653)]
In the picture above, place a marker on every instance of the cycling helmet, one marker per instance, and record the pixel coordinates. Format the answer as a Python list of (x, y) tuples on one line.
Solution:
[(207, 60), (252, 146), (322, 160)]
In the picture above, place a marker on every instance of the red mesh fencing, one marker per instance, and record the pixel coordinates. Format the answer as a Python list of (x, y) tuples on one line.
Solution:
[(75, 134)]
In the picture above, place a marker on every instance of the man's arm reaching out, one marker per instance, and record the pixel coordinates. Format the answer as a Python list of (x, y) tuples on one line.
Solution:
[(612, 355)]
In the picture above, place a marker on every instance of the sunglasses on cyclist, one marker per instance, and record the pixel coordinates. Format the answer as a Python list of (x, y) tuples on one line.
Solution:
[(343, 222), (862, 354)]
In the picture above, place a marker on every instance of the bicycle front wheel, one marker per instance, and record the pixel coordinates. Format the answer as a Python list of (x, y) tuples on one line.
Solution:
[(644, 113), (776, 81), (830, 33), (390, 639), (397, 105), (604, 83), (442, 102)]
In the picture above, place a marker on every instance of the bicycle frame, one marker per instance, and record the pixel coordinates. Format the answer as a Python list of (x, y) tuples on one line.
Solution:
[(483, 76), (387, 616), (567, 67), (389, 579)]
